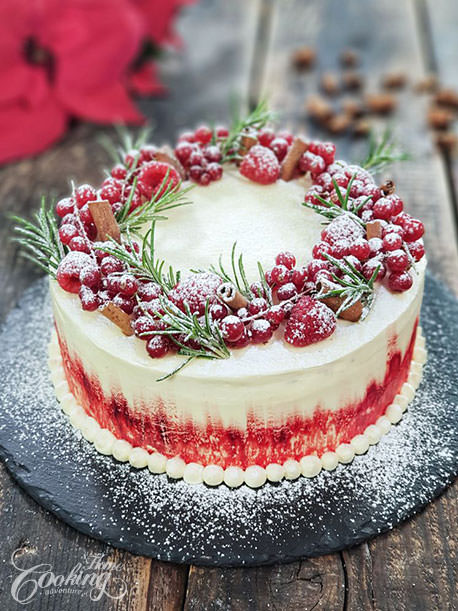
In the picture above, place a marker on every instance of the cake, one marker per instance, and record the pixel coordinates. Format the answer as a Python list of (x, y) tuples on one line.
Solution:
[(289, 343)]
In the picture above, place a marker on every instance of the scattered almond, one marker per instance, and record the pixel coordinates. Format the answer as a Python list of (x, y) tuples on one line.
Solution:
[(318, 108), (349, 58), (338, 123), (446, 141), (304, 58), (330, 83), (439, 118), (427, 84), (352, 80), (446, 97), (381, 103), (361, 127), (394, 80), (353, 107)]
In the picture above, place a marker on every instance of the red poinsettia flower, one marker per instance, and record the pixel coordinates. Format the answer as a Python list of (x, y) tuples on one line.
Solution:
[(159, 17), (60, 60)]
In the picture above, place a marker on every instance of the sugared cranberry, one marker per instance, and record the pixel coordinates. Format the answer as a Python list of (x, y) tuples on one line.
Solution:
[(84, 194), (221, 131), (186, 137), (243, 340), (203, 134), (90, 276), (79, 243), (212, 153), (260, 165), (275, 315), (286, 291), (397, 261), (215, 171), (149, 291), (299, 277), (280, 274), (232, 328), (286, 258), (218, 311), (258, 304), (391, 241), (416, 249), (257, 289), (158, 346), (69, 269), (370, 266), (89, 300), (67, 232), (413, 230), (125, 303), (397, 203), (280, 147), (110, 265), (383, 209), (360, 249), (119, 172), (261, 331), (327, 150), (144, 326), (65, 206), (85, 215), (183, 152), (147, 153), (195, 172), (152, 179), (376, 246), (400, 281), (288, 136), (111, 192), (266, 136), (127, 285), (205, 179), (315, 266)]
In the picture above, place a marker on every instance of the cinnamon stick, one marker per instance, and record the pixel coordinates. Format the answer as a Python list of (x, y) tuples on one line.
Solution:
[(104, 220), (353, 313), (295, 152), (118, 317), (373, 229), (231, 296)]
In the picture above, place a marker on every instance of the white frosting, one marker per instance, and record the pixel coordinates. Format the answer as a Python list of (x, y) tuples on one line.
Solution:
[(214, 475)]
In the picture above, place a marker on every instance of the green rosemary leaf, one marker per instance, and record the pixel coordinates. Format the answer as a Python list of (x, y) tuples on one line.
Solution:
[(382, 152), (258, 118), (176, 370)]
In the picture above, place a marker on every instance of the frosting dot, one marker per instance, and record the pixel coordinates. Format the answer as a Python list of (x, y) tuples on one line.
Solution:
[(345, 453), (175, 467), (121, 450), (360, 444), (310, 466), (414, 379), (138, 458), (89, 428), (67, 402), (402, 401), (420, 355), (394, 413), (384, 424), (193, 473), (61, 389), (408, 390), (416, 367), (213, 475), (275, 472), (233, 477), (329, 461), (373, 434), (292, 469), (255, 476), (78, 417), (104, 442), (157, 463)]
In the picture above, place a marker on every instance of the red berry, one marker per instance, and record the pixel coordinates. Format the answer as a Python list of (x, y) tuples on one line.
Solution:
[(90, 276), (195, 291), (147, 153), (413, 230), (299, 277), (85, 215), (218, 311), (286, 291), (376, 246), (327, 150), (310, 321), (288, 136), (383, 209), (65, 206), (221, 131), (275, 315), (280, 274), (232, 328), (261, 331), (260, 165), (243, 341), (186, 137), (215, 171), (286, 258), (212, 153), (125, 303), (152, 179), (84, 194), (400, 281), (372, 191), (391, 241), (69, 269), (127, 285), (397, 261), (149, 291), (143, 327), (203, 134), (280, 147), (416, 249), (196, 158), (110, 265), (67, 232), (360, 249), (370, 266), (158, 346), (256, 305), (266, 136), (397, 203), (205, 179), (183, 152), (195, 172), (315, 266), (79, 243), (111, 191), (119, 172), (257, 289), (89, 300)]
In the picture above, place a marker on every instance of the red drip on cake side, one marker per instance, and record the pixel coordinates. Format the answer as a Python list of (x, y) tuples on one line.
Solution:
[(259, 444)]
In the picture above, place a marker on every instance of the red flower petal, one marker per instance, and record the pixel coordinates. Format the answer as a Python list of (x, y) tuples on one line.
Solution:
[(26, 131), (145, 80), (160, 16)]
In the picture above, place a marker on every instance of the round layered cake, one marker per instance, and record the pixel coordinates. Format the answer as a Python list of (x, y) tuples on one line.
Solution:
[(288, 342)]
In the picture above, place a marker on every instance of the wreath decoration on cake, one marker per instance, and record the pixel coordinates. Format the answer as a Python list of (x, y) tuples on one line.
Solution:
[(97, 246)]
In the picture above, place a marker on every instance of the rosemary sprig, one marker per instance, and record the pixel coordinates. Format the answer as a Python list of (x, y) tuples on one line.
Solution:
[(188, 326), (352, 287), (143, 263), (166, 198), (40, 241), (331, 211), (126, 144), (257, 119), (239, 277), (382, 152)]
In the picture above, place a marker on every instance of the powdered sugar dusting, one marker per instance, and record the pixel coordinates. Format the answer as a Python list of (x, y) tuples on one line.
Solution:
[(175, 521)]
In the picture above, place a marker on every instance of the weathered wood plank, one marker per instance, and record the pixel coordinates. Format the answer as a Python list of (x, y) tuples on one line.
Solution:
[(200, 83)]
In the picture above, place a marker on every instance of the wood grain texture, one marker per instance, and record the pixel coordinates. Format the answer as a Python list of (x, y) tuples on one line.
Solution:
[(411, 568)]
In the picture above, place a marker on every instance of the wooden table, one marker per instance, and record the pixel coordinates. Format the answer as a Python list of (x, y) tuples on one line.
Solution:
[(244, 46)]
